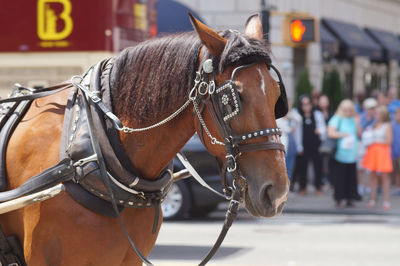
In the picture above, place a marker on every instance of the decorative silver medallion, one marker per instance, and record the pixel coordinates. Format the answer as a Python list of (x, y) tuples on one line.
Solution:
[(208, 66)]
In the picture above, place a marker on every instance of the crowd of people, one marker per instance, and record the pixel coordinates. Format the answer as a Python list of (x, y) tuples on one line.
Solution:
[(355, 149)]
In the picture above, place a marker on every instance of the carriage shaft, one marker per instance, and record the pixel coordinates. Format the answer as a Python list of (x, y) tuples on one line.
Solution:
[(24, 201)]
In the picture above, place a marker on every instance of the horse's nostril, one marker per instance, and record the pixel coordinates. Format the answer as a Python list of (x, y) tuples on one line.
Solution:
[(265, 196)]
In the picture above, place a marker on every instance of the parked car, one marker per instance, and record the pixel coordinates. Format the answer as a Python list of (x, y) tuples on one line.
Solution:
[(187, 198)]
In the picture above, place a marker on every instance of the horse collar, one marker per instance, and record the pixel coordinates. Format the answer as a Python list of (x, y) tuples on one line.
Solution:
[(130, 189)]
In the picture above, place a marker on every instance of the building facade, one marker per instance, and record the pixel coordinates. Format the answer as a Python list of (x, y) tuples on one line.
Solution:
[(45, 42), (360, 70), (357, 37)]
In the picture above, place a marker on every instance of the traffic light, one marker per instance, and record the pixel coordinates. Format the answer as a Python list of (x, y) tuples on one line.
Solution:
[(300, 30)]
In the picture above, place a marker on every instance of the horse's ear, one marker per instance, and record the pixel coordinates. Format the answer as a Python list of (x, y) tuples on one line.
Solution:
[(254, 27), (214, 42)]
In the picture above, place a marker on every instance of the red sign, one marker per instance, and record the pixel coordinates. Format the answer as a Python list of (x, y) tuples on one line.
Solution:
[(75, 25)]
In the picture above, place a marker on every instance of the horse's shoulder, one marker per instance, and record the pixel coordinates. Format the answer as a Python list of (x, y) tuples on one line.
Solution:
[(34, 144)]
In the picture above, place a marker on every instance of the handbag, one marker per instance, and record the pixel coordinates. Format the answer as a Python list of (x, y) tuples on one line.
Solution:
[(329, 146), (367, 138)]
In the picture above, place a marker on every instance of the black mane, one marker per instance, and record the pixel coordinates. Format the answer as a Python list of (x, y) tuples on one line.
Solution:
[(153, 78)]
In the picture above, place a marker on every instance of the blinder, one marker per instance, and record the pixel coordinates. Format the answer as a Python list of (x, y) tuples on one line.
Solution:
[(281, 105), (227, 100)]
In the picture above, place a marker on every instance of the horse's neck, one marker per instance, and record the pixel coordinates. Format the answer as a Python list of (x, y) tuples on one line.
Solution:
[(151, 151)]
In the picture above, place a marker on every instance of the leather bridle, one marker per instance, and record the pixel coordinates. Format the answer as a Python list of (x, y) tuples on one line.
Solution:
[(216, 99), (223, 103)]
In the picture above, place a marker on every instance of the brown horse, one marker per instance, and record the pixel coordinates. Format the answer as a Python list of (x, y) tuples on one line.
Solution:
[(150, 81)]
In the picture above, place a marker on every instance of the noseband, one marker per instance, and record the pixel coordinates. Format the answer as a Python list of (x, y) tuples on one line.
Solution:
[(224, 105)]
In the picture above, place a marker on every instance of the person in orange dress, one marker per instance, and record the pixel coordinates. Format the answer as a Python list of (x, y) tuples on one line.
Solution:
[(377, 159)]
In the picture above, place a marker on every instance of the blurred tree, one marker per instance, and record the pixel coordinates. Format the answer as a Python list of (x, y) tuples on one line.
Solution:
[(332, 87), (303, 85)]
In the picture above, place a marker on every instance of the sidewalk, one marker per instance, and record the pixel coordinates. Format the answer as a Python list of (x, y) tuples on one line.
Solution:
[(324, 204)]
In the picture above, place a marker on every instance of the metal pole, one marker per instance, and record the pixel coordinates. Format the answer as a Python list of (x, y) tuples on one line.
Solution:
[(265, 13), (31, 199)]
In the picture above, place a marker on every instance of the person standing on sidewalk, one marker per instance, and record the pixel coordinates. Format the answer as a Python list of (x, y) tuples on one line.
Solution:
[(377, 159), (288, 124), (367, 117), (313, 132), (393, 101), (343, 126), (367, 120), (324, 106), (396, 151)]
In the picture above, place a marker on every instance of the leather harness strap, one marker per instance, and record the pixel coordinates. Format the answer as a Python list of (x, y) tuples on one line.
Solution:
[(61, 172), (11, 253), (39, 94), (106, 180), (11, 119), (260, 146)]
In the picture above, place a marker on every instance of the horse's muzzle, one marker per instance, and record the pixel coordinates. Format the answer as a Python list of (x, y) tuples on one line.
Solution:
[(268, 201)]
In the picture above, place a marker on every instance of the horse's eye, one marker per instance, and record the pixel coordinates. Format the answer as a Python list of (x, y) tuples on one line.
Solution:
[(240, 89)]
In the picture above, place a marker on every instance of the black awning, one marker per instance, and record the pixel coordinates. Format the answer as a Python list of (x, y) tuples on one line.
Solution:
[(353, 40), (172, 17), (329, 44), (388, 41)]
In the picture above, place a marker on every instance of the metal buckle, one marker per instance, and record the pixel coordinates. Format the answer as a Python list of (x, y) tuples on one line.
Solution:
[(95, 98), (86, 160), (201, 86), (198, 78), (76, 77), (228, 192), (211, 87), (230, 170), (193, 93), (236, 182)]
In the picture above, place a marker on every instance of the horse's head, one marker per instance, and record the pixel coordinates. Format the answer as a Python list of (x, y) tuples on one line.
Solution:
[(240, 112)]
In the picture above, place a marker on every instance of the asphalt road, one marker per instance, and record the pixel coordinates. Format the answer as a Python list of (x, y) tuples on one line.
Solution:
[(288, 240)]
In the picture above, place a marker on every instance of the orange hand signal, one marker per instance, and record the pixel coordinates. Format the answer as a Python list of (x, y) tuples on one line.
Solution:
[(297, 30)]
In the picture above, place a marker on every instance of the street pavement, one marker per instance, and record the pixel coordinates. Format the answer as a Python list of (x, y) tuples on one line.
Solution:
[(287, 240), (310, 232), (324, 204), (311, 203)]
